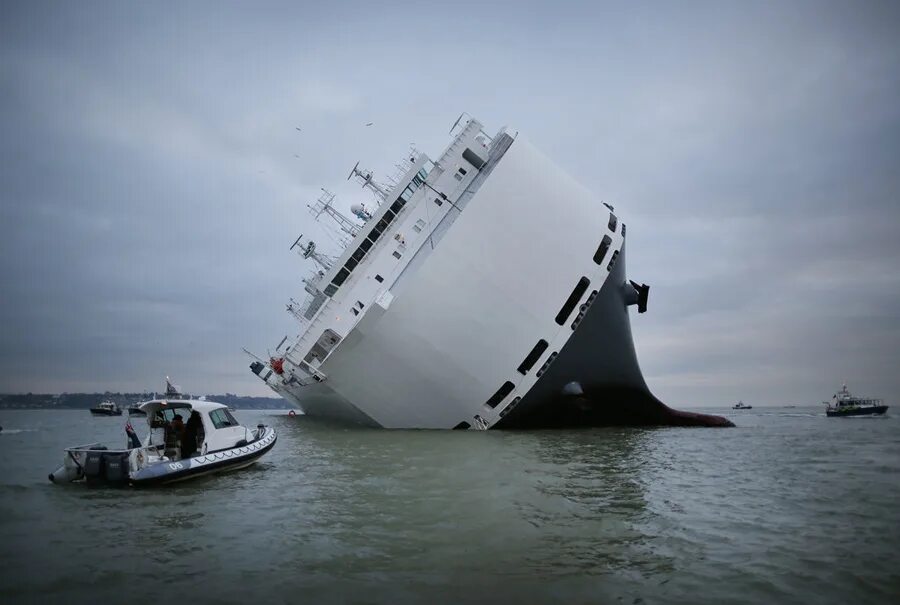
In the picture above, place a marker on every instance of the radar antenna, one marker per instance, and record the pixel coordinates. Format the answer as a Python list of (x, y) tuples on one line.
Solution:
[(309, 251), (323, 205), (365, 177), (294, 308)]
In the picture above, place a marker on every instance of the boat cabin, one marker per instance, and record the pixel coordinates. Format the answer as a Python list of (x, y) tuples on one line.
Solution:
[(190, 427)]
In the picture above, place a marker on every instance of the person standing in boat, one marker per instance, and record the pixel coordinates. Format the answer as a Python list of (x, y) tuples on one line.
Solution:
[(177, 426), (174, 434), (191, 435), (158, 429)]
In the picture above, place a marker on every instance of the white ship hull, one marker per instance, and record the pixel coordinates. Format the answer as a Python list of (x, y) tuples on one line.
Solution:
[(443, 346)]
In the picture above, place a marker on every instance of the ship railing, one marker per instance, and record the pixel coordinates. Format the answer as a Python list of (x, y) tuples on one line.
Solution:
[(861, 401), (313, 375)]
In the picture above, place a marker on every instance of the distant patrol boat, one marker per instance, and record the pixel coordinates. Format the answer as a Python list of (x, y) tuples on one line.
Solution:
[(845, 404), (106, 408), (486, 289)]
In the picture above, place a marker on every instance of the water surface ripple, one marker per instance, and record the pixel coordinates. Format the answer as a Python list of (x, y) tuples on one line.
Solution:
[(789, 507)]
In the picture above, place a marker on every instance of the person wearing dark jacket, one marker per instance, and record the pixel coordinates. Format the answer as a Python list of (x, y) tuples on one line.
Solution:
[(191, 433)]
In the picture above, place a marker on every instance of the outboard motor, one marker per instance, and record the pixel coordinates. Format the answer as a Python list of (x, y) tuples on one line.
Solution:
[(93, 465), (115, 467)]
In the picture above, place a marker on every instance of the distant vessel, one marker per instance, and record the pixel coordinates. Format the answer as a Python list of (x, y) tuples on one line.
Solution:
[(106, 408), (740, 405), (136, 410), (845, 404), (485, 289)]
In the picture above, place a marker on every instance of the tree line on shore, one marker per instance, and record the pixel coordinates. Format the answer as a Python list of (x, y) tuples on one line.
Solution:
[(77, 401)]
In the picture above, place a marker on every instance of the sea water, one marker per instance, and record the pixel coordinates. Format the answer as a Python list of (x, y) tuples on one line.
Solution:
[(789, 507)]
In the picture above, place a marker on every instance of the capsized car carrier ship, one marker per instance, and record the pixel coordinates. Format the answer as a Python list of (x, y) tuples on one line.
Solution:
[(486, 289)]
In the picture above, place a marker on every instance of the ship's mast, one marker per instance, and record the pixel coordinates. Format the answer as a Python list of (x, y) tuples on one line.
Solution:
[(309, 251), (293, 308), (323, 205), (365, 177)]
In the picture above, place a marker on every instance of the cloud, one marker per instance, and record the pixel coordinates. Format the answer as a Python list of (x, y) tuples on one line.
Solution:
[(151, 177)]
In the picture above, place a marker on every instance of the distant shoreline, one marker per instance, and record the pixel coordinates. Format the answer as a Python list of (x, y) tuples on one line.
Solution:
[(83, 401)]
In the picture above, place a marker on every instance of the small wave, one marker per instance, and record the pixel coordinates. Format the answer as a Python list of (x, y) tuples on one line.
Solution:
[(16, 431)]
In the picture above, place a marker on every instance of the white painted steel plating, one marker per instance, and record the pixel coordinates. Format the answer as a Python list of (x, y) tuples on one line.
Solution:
[(443, 307)]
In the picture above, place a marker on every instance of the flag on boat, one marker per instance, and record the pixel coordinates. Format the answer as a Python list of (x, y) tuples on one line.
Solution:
[(133, 440), (171, 389)]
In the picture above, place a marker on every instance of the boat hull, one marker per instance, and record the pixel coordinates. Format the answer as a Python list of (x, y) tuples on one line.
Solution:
[(599, 357), (96, 465), (213, 462), (445, 344), (98, 412), (875, 410)]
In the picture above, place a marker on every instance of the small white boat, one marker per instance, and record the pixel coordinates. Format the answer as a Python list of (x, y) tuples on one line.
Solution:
[(187, 438)]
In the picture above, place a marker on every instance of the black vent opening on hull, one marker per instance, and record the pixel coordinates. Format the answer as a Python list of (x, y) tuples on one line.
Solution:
[(500, 395), (587, 305), (602, 249), (569, 306), (533, 356), (511, 405), (547, 363), (612, 261), (612, 222), (462, 426)]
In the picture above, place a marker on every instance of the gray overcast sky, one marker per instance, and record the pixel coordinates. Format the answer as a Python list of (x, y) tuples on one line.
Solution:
[(149, 188)]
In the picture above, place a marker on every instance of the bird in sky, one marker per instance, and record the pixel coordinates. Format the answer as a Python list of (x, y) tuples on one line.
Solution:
[(297, 128), (296, 156), (370, 123)]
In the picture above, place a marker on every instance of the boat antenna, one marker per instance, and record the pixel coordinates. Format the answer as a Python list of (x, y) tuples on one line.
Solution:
[(459, 119), (365, 177), (252, 355), (309, 251), (323, 205)]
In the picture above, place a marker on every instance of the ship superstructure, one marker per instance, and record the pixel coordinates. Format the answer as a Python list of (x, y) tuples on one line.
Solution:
[(485, 288)]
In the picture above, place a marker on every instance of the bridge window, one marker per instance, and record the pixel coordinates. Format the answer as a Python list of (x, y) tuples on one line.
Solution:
[(222, 419)]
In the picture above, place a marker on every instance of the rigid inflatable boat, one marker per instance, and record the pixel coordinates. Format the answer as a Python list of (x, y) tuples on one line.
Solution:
[(188, 438)]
